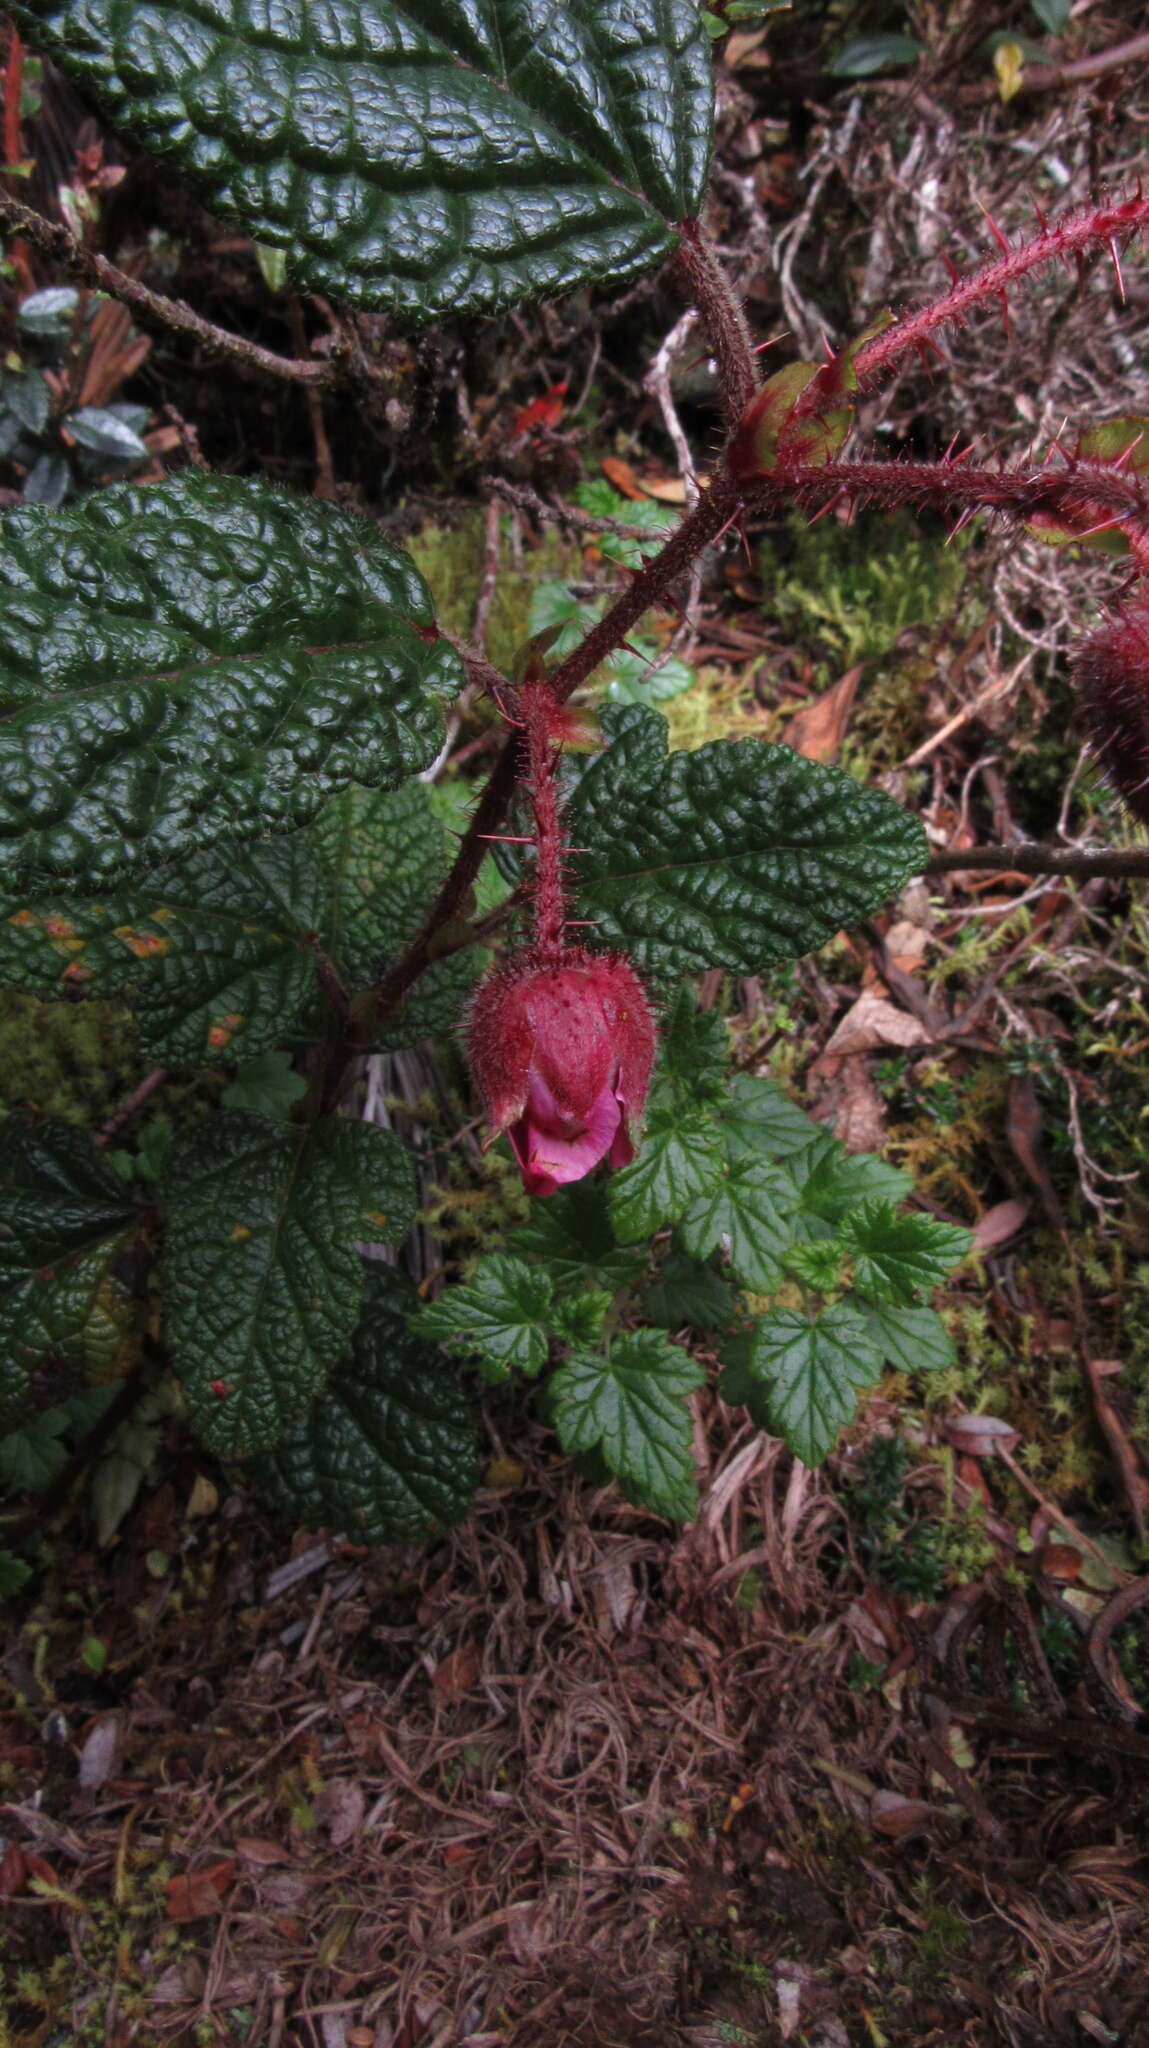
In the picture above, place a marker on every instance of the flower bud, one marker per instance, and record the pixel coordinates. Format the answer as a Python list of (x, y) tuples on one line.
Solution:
[(1111, 676), (562, 1051)]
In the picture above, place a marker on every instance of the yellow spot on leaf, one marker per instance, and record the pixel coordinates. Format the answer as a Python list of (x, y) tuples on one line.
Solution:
[(142, 944), (74, 972), (59, 928), (217, 1036), (377, 1217), (23, 918), (240, 1234)]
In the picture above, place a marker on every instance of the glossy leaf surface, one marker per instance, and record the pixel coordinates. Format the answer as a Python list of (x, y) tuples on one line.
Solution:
[(200, 661), (432, 156)]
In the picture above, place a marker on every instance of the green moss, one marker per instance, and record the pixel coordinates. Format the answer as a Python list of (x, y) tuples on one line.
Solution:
[(451, 558), (75, 1061)]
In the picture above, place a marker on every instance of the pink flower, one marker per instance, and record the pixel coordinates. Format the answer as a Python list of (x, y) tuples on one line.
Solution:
[(562, 1051)]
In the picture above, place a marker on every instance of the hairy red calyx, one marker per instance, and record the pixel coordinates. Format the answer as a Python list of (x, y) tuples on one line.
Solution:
[(1111, 677)]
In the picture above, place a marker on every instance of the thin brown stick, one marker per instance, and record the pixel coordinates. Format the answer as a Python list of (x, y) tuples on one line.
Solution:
[(58, 243), (131, 1103), (1121, 864)]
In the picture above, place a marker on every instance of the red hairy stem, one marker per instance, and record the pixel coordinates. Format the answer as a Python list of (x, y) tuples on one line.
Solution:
[(724, 320), (537, 704), (1093, 228)]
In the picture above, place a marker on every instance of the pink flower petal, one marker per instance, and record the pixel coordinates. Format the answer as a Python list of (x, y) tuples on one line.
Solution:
[(549, 1159)]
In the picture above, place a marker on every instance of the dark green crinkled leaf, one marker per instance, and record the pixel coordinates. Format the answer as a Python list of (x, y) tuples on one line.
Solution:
[(896, 1257), (388, 1452), (578, 1319), (749, 1214), (384, 854), (802, 1375), (831, 1181), (912, 1339), (692, 1053), (737, 855), (690, 1294), (629, 1406), (209, 953), (502, 1313), (679, 1163), (262, 1279), (760, 1120), (203, 660), (570, 1232), (434, 156)]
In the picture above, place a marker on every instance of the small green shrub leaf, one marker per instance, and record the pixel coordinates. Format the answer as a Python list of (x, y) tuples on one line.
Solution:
[(912, 1339), (688, 1294), (267, 1084), (432, 156), (803, 1375), (760, 1121), (897, 1257), (388, 1453), (200, 661), (14, 1574), (738, 855), (571, 1234), (629, 1407), (679, 1163), (503, 1313), (262, 1279), (831, 1181), (750, 1215)]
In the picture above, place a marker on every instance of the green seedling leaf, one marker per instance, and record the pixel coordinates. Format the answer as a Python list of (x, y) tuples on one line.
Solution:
[(629, 1407), (263, 1281), (803, 1375), (638, 676), (578, 1319), (268, 1085), (434, 156), (759, 1121), (817, 1263), (749, 1215), (911, 1339), (14, 1574), (570, 1234), (31, 1456), (679, 1163), (831, 1181), (204, 660), (737, 855), (898, 1257), (1117, 441), (503, 1313), (1052, 14), (48, 482), (27, 397), (104, 433), (692, 1054), (49, 314), (388, 1453), (688, 1294), (866, 55)]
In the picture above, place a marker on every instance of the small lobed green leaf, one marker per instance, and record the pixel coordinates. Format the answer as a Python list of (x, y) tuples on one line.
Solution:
[(430, 156), (503, 1313), (628, 1405), (831, 1181), (759, 1120), (262, 1279), (578, 1318), (806, 1373), (749, 1215), (205, 660), (570, 1233), (897, 1256), (866, 55), (688, 1293), (679, 1162), (737, 855), (910, 1339), (692, 1052), (14, 1574), (388, 1453), (267, 1084)]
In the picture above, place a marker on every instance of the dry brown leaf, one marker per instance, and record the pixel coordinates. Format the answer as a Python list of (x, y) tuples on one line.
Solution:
[(262, 1854), (341, 1809), (743, 44), (667, 490), (196, 1894), (1000, 1223), (458, 1671), (979, 1436), (98, 1756), (622, 476), (817, 731), (1061, 1562), (894, 1815), (870, 1025)]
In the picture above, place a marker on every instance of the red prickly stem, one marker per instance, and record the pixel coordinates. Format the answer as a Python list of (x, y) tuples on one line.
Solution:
[(538, 708), (1111, 677)]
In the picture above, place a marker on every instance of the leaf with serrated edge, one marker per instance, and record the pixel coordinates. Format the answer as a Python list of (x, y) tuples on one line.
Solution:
[(809, 1371), (570, 1232), (502, 1312), (912, 1339), (831, 1181), (430, 156), (262, 1279), (760, 1120), (209, 954), (629, 1406), (204, 660), (677, 1165), (687, 1293), (750, 1216), (737, 855), (388, 1452), (896, 1257)]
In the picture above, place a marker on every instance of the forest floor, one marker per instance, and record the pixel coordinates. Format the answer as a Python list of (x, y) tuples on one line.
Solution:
[(862, 1756)]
